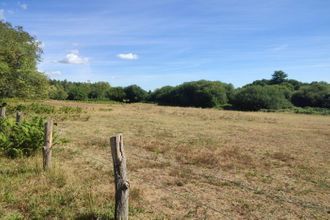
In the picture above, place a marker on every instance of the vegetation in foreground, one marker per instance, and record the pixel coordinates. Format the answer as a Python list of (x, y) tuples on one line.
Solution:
[(182, 163)]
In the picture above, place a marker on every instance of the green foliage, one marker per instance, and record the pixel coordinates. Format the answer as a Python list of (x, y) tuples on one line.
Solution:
[(22, 139), (19, 54), (77, 93), (198, 94), (116, 94), (135, 93), (31, 110), (278, 77), (98, 90), (62, 90), (300, 110), (57, 92), (254, 98), (316, 94)]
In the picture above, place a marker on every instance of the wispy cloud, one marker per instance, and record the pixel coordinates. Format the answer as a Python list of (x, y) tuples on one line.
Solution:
[(22, 5), (128, 56), (2, 14), (52, 74), (74, 57)]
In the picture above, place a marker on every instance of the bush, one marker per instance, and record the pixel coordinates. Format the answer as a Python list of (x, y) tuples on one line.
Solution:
[(201, 93), (57, 92), (77, 93), (22, 139), (316, 94), (116, 94), (254, 98), (135, 93)]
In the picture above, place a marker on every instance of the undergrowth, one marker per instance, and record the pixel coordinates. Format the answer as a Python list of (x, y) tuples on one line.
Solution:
[(21, 139)]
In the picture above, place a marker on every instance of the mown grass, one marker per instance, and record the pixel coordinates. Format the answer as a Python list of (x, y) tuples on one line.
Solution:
[(245, 165)]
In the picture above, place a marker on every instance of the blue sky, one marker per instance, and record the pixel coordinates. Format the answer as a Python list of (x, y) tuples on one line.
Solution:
[(166, 42)]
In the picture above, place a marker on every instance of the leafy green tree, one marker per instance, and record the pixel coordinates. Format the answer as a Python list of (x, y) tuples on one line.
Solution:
[(254, 98), (98, 90), (77, 93), (162, 96), (116, 94), (201, 93), (57, 92), (316, 94), (19, 54), (278, 77), (135, 93)]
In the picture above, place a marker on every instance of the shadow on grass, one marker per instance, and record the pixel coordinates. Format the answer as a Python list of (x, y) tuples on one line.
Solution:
[(93, 216)]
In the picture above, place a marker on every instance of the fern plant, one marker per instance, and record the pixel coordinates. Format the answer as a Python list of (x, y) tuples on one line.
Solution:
[(22, 139)]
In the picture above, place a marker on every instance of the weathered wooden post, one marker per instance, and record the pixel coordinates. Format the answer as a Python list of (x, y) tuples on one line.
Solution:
[(3, 110), (121, 181), (47, 149), (19, 117)]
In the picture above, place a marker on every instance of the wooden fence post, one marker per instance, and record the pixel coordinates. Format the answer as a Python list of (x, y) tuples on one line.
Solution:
[(47, 149), (3, 110), (121, 181), (19, 117)]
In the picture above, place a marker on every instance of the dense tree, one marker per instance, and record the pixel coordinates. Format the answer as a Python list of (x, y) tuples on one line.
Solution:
[(198, 94), (316, 94), (77, 93), (135, 93), (278, 77), (19, 54), (98, 90), (116, 94), (162, 95), (254, 98), (57, 92)]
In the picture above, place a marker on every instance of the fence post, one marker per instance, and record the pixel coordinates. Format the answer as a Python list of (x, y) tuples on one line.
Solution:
[(47, 149), (121, 181), (19, 117), (3, 110)]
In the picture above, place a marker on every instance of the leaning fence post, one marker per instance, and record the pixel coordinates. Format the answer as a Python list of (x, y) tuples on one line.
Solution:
[(3, 110), (47, 149), (19, 117), (121, 181)]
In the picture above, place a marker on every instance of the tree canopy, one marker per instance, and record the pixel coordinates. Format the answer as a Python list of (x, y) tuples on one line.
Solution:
[(19, 54)]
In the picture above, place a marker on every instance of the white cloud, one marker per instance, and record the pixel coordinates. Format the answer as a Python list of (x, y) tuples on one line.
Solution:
[(2, 14), (54, 73), (22, 6), (74, 58), (128, 56)]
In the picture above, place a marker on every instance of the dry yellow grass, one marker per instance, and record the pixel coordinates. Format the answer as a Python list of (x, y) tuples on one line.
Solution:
[(184, 163)]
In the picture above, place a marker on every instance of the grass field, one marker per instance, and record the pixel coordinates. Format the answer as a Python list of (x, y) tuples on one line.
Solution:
[(183, 163)]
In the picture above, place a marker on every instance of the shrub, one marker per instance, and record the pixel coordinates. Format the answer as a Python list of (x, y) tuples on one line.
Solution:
[(135, 93), (116, 94), (58, 92), (258, 97), (22, 139), (316, 94), (36, 108), (200, 93)]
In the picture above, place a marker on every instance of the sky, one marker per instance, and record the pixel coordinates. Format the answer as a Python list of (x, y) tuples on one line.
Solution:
[(166, 42)]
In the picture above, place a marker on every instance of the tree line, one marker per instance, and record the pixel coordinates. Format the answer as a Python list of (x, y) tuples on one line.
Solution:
[(279, 92), (19, 77)]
